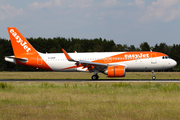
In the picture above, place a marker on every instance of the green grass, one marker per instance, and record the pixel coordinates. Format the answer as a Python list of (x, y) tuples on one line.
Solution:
[(82, 75), (54, 100)]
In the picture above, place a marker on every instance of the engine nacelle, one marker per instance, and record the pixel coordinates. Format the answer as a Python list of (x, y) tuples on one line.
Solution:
[(116, 71)]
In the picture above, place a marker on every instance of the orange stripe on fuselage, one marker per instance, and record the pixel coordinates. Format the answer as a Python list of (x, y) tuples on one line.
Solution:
[(33, 61), (75, 66)]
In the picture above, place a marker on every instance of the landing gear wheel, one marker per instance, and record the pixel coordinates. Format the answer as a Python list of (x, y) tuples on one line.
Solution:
[(153, 77), (95, 77)]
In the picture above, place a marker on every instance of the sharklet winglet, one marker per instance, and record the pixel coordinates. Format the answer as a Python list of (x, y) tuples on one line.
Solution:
[(67, 56)]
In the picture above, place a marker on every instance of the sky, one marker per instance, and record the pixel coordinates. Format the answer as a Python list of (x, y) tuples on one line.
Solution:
[(130, 22)]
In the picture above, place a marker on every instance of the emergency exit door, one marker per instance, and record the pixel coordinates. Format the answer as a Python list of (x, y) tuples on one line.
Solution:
[(39, 60)]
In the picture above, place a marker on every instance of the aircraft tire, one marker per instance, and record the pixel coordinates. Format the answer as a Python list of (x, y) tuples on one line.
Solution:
[(95, 77), (153, 78)]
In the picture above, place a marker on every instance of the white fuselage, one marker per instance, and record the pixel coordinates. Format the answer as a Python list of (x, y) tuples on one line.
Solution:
[(58, 61)]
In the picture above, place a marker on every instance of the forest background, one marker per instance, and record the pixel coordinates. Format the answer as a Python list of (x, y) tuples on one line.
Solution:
[(54, 45)]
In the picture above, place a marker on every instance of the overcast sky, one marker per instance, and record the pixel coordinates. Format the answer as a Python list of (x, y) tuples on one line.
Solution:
[(128, 22)]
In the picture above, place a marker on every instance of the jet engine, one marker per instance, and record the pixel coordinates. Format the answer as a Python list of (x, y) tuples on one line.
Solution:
[(115, 71)]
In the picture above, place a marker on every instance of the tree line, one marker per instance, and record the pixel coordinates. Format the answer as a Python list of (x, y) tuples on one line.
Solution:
[(54, 45)]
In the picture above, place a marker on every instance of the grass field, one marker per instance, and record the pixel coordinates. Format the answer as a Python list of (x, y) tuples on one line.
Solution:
[(81, 75), (87, 100), (55, 100)]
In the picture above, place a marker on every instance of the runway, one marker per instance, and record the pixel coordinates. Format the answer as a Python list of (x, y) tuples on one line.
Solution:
[(88, 80)]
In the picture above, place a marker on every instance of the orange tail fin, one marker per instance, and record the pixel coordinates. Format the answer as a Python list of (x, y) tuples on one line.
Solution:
[(19, 43)]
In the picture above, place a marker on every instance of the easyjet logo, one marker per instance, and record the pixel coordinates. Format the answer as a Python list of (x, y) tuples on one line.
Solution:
[(136, 55), (20, 41)]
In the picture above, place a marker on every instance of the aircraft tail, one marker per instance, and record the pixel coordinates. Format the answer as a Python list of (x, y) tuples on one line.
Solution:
[(19, 43)]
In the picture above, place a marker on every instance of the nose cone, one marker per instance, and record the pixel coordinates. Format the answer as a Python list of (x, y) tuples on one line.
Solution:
[(173, 63)]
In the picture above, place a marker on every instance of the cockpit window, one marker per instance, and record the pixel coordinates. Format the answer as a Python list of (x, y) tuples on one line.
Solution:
[(165, 57)]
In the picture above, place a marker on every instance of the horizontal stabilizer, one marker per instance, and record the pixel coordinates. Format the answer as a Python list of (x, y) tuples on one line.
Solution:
[(13, 59)]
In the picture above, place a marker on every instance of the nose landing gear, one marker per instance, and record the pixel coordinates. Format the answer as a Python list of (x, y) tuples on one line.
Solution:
[(153, 75)]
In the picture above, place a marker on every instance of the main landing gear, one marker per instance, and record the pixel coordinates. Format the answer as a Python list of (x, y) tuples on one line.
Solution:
[(153, 75), (95, 77)]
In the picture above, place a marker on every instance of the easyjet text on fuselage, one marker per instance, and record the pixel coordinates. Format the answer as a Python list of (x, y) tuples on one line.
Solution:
[(141, 55)]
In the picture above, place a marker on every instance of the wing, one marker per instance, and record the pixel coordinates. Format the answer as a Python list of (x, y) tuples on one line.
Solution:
[(84, 62)]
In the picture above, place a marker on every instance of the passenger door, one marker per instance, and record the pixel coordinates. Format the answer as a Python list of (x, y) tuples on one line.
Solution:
[(153, 58)]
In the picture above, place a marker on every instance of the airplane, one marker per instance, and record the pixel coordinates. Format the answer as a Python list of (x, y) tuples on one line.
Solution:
[(112, 64)]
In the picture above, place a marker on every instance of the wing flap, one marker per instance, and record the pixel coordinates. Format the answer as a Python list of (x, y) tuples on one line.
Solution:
[(92, 63)]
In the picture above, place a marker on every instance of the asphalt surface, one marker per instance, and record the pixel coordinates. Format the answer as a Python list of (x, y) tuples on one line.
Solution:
[(88, 80)]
